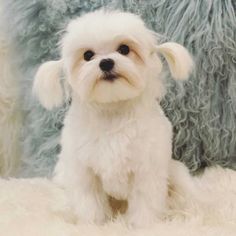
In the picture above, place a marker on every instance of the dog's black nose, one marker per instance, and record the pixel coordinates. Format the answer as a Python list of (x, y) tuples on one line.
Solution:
[(106, 65)]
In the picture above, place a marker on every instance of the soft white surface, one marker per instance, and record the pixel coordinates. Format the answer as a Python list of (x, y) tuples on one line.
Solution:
[(33, 207)]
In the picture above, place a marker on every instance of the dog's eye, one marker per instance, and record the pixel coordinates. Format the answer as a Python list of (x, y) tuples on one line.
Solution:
[(88, 55), (123, 49)]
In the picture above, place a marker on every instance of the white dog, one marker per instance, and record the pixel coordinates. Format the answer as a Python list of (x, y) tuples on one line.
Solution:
[(116, 140)]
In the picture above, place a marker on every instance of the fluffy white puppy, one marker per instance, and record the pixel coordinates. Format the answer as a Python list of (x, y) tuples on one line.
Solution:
[(116, 140)]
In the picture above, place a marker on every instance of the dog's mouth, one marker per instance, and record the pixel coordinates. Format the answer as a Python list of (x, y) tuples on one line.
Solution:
[(110, 76), (114, 87)]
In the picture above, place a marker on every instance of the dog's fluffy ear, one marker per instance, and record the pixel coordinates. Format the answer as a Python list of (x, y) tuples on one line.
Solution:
[(178, 59), (47, 86)]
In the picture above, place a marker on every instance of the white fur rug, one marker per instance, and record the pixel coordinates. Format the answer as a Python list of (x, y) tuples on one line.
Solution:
[(36, 207)]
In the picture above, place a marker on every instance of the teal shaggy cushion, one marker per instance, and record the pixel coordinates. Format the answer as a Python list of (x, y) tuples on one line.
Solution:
[(202, 110)]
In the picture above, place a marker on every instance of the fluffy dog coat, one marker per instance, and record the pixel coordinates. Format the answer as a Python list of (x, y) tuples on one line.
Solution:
[(116, 140)]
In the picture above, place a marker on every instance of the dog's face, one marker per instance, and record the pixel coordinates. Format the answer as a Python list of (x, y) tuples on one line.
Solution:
[(109, 57)]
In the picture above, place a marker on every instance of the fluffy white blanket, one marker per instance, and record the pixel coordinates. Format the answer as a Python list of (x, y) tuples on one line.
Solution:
[(36, 207)]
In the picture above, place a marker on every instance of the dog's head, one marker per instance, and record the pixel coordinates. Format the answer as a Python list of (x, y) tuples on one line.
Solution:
[(109, 57)]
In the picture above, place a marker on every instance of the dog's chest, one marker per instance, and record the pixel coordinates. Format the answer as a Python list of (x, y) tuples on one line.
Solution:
[(109, 152), (111, 155)]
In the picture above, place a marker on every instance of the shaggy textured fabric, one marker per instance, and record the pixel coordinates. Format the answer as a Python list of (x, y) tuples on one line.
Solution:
[(203, 110), (10, 114), (36, 207)]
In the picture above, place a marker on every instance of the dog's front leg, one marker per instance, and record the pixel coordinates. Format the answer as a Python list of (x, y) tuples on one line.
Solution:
[(88, 200), (147, 201)]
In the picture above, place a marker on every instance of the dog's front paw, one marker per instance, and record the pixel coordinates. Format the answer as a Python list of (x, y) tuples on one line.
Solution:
[(140, 222), (90, 211), (140, 219)]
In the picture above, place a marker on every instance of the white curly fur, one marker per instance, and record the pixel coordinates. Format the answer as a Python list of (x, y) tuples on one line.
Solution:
[(116, 140)]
